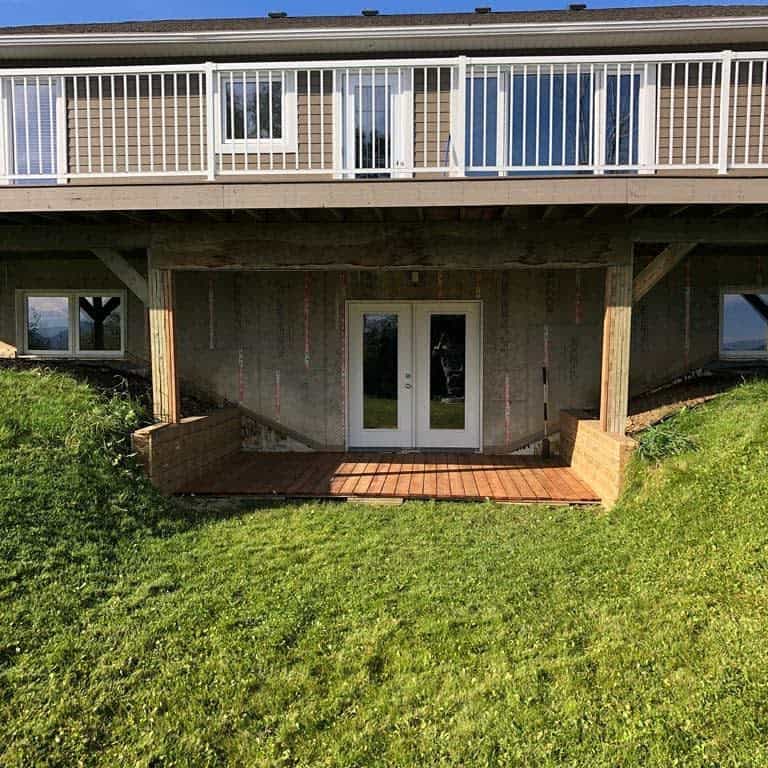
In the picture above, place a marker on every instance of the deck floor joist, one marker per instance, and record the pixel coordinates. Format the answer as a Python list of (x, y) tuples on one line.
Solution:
[(449, 476)]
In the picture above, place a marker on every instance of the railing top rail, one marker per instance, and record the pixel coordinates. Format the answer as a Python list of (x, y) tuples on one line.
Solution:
[(352, 64)]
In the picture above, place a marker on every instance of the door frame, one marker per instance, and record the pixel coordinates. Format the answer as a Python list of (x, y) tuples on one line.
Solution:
[(347, 377)]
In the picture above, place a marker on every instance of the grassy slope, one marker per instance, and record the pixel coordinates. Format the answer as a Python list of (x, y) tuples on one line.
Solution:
[(419, 635)]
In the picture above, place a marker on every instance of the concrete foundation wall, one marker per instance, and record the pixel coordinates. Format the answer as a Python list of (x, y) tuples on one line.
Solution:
[(274, 341), (66, 272)]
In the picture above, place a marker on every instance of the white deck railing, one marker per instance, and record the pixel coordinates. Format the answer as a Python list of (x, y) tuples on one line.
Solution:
[(368, 119)]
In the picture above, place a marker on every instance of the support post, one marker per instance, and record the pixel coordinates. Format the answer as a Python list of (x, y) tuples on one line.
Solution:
[(617, 325), (165, 382)]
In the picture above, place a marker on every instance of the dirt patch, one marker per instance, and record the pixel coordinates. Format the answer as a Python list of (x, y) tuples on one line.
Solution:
[(690, 392)]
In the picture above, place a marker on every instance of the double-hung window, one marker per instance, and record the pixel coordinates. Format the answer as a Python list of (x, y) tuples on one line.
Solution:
[(33, 123), (72, 323), (257, 111)]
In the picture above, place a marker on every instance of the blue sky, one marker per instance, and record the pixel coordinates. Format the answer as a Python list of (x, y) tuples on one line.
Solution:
[(14, 12)]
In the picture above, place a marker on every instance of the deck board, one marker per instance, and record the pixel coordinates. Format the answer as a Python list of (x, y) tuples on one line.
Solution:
[(392, 475)]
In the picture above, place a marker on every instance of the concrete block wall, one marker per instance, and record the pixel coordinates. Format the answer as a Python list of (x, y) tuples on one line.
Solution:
[(174, 455), (598, 458)]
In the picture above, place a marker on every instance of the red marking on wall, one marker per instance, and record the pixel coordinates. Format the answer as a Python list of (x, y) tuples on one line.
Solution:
[(342, 310), (440, 285), (507, 413), (545, 380), (277, 394), (579, 306), (687, 312), (240, 375), (307, 304), (211, 314)]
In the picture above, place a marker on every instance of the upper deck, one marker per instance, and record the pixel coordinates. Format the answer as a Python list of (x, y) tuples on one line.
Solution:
[(537, 119)]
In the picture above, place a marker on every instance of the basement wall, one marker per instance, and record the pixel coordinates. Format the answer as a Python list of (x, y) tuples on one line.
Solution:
[(67, 272), (274, 341)]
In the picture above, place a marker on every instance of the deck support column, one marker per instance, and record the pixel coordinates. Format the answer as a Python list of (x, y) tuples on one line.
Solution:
[(617, 326), (165, 382)]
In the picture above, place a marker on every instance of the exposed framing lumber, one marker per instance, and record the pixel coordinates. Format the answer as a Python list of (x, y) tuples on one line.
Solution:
[(661, 266), (165, 380), (120, 266), (617, 328)]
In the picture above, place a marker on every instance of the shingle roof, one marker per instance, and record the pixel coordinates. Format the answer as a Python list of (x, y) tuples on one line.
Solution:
[(657, 13)]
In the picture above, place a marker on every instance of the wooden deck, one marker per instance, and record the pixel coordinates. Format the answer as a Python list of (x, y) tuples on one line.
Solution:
[(396, 475)]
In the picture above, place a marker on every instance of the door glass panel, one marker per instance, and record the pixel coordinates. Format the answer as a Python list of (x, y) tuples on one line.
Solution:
[(447, 336), (380, 371), (100, 324), (48, 323)]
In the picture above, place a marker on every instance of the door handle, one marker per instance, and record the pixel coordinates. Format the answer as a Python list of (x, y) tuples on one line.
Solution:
[(408, 386)]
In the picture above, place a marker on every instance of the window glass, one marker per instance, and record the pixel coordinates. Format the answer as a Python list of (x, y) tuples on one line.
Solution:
[(47, 323), (622, 105), (380, 371), (263, 108), (745, 324), (100, 323), (32, 105), (447, 337)]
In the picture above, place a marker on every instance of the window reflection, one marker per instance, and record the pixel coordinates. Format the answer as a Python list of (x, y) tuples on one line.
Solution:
[(745, 324), (447, 371), (48, 323), (380, 371)]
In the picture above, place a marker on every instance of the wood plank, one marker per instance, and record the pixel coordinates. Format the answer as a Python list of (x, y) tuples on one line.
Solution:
[(617, 325), (120, 266), (165, 381), (661, 266)]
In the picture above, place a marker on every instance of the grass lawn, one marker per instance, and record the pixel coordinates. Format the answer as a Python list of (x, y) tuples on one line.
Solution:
[(137, 632)]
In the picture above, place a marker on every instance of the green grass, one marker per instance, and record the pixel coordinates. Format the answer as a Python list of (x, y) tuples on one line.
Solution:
[(381, 413), (134, 632)]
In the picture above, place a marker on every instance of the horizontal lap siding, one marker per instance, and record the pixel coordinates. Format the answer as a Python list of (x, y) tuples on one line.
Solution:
[(101, 128), (677, 125), (315, 147), (430, 146)]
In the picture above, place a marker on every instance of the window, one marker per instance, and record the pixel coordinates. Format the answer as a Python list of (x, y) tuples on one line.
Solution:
[(555, 119), (258, 111), (72, 323), (744, 324), (32, 142)]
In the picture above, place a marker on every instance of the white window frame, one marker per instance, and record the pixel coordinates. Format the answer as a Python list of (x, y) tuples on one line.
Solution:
[(7, 175), (73, 351), (727, 355), (289, 140)]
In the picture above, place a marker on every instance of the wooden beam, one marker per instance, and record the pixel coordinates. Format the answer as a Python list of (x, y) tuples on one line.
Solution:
[(121, 267), (730, 230), (661, 265), (632, 212), (165, 381), (405, 246), (617, 326)]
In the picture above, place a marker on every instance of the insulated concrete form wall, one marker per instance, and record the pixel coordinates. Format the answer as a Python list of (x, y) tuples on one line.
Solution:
[(274, 341), (67, 273)]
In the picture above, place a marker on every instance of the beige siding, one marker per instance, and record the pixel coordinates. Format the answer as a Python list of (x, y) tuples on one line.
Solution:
[(431, 118), (96, 128), (695, 121)]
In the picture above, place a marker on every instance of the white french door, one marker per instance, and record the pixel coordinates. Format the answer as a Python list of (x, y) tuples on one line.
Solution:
[(414, 374)]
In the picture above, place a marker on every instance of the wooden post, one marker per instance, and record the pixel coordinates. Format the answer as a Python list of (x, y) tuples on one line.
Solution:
[(617, 325), (165, 382)]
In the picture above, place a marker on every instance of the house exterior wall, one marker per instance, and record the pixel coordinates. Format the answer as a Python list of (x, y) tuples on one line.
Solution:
[(274, 341), (66, 273)]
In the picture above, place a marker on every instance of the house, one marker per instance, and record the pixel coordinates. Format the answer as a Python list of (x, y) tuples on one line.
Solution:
[(446, 233)]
